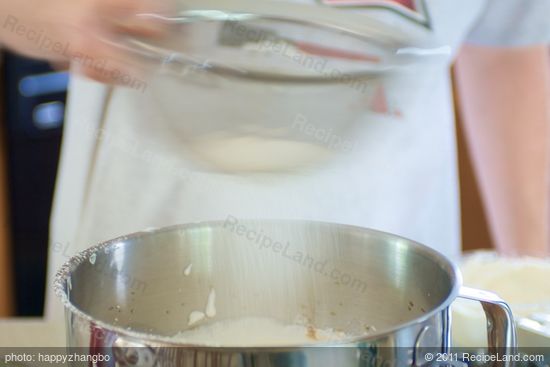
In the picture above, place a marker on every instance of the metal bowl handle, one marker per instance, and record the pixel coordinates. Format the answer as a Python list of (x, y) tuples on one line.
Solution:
[(501, 329)]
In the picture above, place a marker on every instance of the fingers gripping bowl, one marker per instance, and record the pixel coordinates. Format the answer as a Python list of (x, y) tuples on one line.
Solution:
[(369, 289)]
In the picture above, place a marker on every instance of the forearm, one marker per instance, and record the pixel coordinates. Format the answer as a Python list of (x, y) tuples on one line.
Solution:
[(505, 100), (82, 31)]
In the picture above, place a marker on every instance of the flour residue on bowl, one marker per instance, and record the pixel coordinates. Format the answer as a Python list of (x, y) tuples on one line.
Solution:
[(211, 304), (187, 270), (257, 332), (195, 317), (209, 311)]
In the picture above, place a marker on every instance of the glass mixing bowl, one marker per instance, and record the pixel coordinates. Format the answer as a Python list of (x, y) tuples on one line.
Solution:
[(248, 92)]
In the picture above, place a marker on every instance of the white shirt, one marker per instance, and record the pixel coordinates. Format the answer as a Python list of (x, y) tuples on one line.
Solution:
[(123, 170)]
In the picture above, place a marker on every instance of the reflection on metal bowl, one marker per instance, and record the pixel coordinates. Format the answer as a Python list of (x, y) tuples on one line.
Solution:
[(335, 277)]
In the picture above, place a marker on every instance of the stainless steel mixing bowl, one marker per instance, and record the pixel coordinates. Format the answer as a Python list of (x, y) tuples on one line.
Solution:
[(128, 296)]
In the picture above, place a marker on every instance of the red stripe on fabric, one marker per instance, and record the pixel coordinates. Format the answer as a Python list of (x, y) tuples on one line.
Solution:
[(406, 3), (335, 53)]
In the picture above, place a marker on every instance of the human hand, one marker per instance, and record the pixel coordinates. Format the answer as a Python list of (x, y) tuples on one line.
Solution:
[(83, 32)]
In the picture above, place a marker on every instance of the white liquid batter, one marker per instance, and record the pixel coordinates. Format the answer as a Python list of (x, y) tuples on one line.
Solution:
[(249, 153), (257, 332)]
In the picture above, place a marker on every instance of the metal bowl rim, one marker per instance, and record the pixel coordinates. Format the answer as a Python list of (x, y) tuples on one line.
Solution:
[(191, 16)]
